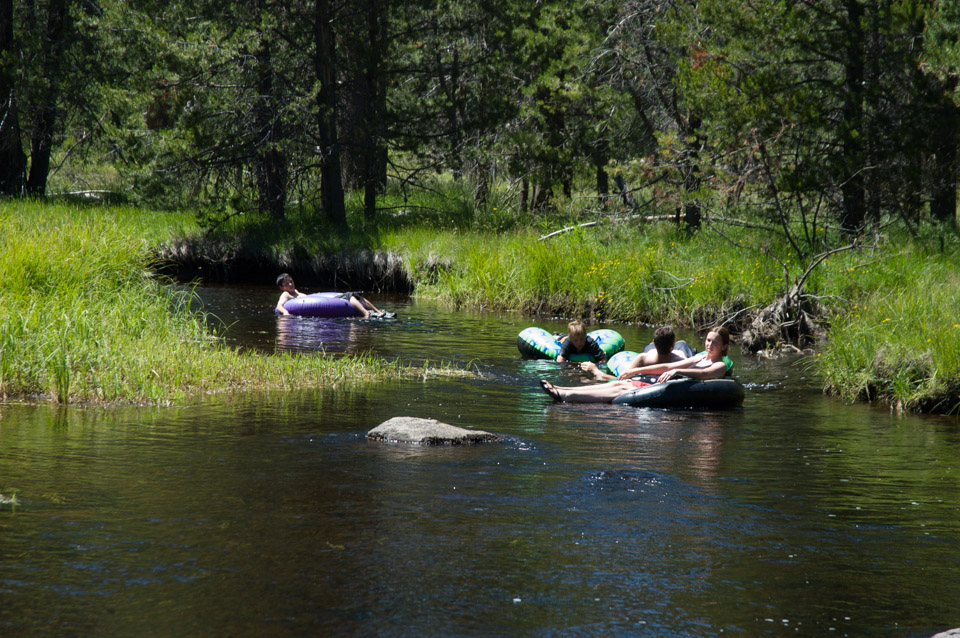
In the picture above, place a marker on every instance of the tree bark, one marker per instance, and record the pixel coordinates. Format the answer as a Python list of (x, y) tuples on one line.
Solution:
[(690, 169), (325, 62), (853, 214), (271, 161), (13, 162), (943, 201), (600, 157), (45, 115), (374, 152)]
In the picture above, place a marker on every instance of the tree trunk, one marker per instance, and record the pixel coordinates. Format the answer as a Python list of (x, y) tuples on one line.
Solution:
[(45, 116), (449, 80), (271, 168), (600, 156), (690, 167), (943, 201), (374, 152), (12, 160), (853, 214), (325, 62), (482, 172), (603, 184)]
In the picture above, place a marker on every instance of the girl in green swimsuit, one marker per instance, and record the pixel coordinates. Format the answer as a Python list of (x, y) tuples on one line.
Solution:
[(712, 363)]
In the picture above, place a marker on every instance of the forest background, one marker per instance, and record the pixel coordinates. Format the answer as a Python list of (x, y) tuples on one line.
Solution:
[(782, 167)]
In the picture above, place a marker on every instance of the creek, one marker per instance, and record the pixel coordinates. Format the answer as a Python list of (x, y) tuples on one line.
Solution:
[(271, 514)]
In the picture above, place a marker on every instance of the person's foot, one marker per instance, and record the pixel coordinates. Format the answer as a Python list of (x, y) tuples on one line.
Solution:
[(389, 315), (547, 387), (375, 314)]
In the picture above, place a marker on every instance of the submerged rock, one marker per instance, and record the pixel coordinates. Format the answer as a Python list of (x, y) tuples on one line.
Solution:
[(950, 633), (406, 429)]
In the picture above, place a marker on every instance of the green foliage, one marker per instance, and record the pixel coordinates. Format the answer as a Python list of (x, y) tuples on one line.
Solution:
[(942, 50), (83, 319), (620, 274), (899, 341), (789, 113), (814, 110)]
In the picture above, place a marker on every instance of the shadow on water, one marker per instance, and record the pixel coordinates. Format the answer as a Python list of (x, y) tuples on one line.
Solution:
[(274, 515)]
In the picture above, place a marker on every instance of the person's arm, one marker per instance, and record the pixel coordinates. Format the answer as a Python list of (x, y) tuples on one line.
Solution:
[(642, 359), (594, 369), (660, 368), (713, 371), (284, 298), (565, 351)]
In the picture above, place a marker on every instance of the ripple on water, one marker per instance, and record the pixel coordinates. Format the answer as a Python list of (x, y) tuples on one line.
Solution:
[(273, 514)]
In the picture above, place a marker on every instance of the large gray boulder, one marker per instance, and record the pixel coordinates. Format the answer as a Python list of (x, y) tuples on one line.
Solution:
[(950, 633), (408, 429)]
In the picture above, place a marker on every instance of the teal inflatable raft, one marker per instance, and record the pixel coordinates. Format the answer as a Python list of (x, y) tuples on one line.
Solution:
[(537, 343), (619, 362)]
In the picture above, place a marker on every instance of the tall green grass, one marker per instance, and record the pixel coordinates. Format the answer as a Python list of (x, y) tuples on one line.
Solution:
[(893, 310), (899, 339), (82, 318), (653, 274)]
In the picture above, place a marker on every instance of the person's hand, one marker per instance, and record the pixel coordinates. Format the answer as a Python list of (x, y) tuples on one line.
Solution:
[(666, 376), (589, 366)]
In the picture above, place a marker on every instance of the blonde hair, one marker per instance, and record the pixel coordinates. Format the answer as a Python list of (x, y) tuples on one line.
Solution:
[(575, 329)]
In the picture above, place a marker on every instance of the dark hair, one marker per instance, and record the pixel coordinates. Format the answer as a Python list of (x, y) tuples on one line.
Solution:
[(663, 339), (281, 277)]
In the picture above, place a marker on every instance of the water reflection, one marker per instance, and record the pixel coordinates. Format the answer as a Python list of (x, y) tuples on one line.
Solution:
[(313, 333), (273, 515)]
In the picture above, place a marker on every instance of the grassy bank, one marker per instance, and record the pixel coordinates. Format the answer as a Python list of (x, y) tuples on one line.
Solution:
[(83, 319), (619, 273), (899, 341), (891, 310)]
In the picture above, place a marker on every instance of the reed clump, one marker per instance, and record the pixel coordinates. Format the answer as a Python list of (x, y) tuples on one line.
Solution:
[(84, 319)]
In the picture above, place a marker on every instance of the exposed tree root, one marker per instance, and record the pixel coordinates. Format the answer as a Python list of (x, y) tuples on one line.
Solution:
[(793, 320)]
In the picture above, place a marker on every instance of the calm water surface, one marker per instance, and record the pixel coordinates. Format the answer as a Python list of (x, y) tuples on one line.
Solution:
[(273, 515)]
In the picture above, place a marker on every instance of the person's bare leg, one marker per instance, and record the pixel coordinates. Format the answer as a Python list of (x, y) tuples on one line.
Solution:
[(358, 305), (369, 304), (600, 393)]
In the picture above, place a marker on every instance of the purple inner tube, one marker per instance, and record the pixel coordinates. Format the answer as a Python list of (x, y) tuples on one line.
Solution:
[(321, 304)]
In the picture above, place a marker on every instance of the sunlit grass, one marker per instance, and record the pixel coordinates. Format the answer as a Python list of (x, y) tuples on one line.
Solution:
[(893, 310), (618, 274), (79, 298), (83, 319), (899, 342)]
